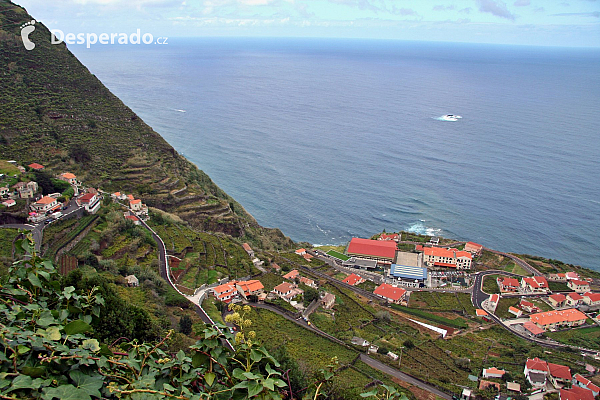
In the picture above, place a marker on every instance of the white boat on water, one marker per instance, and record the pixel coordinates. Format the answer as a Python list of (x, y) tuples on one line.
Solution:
[(450, 117)]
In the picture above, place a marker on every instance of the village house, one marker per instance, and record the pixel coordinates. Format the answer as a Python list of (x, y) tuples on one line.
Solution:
[(447, 258), (307, 257), (560, 277), (536, 371), (393, 356), (578, 286), (89, 201), (45, 204), (492, 301), (26, 190), (300, 252), (135, 205), (358, 341), (287, 291), (513, 387), (307, 282), (248, 249), (557, 319), (382, 251), (36, 166), (528, 306), (68, 177), (591, 299), (515, 311), (132, 281), (493, 373), (585, 383), (130, 217), (473, 248), (535, 284), (9, 203), (275, 267), (4, 191), (508, 284), (328, 301), (481, 313), (559, 375), (576, 393), (390, 293), (353, 280), (574, 299), (557, 300), (225, 292), (392, 236), (247, 288), (293, 274), (483, 385)]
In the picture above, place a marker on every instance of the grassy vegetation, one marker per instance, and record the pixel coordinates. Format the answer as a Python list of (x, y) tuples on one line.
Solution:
[(270, 280), (208, 304), (435, 301), (489, 260), (435, 319), (585, 337), (7, 168), (503, 305), (6, 257), (338, 255), (558, 287), (490, 284)]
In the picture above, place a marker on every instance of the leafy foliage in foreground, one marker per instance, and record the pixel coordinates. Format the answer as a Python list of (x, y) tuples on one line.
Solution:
[(48, 350)]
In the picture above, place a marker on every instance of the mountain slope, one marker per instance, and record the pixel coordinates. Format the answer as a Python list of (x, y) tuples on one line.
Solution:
[(55, 112)]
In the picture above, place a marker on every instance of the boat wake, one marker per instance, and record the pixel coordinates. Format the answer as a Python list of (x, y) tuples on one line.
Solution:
[(449, 117)]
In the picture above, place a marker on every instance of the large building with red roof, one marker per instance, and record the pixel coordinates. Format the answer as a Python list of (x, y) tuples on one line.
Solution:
[(558, 318), (576, 393), (383, 251), (447, 258), (536, 284), (353, 280), (390, 293), (473, 248)]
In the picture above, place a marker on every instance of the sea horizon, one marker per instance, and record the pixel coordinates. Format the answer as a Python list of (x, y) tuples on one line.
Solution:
[(328, 138)]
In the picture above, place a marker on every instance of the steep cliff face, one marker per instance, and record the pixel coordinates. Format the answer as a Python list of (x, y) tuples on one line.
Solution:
[(55, 112)]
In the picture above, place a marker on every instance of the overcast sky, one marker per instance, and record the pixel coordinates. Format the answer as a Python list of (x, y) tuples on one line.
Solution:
[(531, 22)]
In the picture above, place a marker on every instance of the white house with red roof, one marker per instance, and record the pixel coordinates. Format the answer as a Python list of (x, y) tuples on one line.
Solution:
[(251, 287), (515, 311), (493, 372), (4, 191), (248, 249), (473, 248), (135, 205), (390, 293), (89, 201), (591, 299), (576, 393), (492, 302), (287, 291), (585, 383), (551, 320), (529, 306), (508, 284), (353, 280), (559, 375), (447, 258), (225, 292), (300, 252), (557, 300), (68, 177), (536, 372), (392, 236), (36, 166), (383, 251), (574, 299), (9, 203), (535, 284), (571, 275), (307, 282), (45, 204), (578, 286)]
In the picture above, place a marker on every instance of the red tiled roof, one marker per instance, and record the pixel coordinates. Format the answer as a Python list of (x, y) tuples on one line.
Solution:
[(300, 251), (572, 275), (86, 198), (130, 197), (250, 286), (36, 166), (525, 303), (586, 382), (575, 296), (374, 248), (390, 292), (419, 247), (135, 201), (284, 287), (480, 313), (307, 281), (224, 288), (292, 274), (553, 317), (533, 328), (559, 371), (352, 279), (246, 247), (511, 282), (594, 297), (46, 200), (131, 217), (535, 364), (68, 175), (439, 264), (495, 371), (450, 253), (514, 310), (576, 393), (558, 297), (472, 246), (579, 282), (494, 298), (536, 282), (391, 236)]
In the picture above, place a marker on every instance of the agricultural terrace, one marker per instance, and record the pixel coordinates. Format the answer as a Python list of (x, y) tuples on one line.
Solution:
[(584, 337), (204, 257)]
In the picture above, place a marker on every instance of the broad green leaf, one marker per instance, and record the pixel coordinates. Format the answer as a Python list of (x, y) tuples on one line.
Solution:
[(21, 349), (369, 394), (256, 355), (89, 384), (53, 333), (269, 383), (199, 359), (209, 377), (34, 372), (77, 326), (91, 344), (254, 388), (21, 382), (65, 392), (34, 280)]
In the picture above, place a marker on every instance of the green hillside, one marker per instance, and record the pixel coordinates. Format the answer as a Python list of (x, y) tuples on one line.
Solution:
[(56, 113)]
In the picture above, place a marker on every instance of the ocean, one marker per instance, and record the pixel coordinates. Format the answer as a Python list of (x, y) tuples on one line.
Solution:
[(328, 139)]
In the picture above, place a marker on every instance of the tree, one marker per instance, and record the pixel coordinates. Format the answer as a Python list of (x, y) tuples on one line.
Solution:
[(408, 344), (310, 294), (185, 325)]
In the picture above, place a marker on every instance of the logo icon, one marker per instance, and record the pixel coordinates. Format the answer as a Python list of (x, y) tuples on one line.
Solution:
[(26, 29)]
